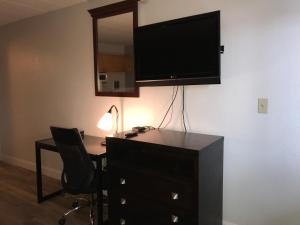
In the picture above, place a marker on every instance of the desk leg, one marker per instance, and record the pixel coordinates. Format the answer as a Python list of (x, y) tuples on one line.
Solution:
[(39, 183), (99, 194), (39, 178)]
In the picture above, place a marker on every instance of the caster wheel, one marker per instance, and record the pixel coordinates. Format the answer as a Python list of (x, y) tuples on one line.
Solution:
[(92, 218), (62, 221), (75, 204)]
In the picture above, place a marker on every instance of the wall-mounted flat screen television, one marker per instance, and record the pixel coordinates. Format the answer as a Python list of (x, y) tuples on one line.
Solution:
[(183, 51)]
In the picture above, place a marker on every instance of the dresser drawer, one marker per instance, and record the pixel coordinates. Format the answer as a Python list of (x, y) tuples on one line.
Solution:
[(176, 163), (137, 211), (173, 193)]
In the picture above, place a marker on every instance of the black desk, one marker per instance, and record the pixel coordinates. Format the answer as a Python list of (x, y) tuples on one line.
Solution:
[(94, 149)]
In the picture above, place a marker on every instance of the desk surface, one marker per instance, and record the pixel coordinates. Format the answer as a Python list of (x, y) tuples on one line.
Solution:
[(92, 144)]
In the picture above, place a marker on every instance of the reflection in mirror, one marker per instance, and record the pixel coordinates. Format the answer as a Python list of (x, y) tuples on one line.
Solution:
[(115, 54)]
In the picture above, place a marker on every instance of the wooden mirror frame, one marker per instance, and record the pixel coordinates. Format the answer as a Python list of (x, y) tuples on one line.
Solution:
[(107, 11)]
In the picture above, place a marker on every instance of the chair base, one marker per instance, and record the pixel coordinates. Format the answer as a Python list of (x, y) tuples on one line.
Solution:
[(77, 206)]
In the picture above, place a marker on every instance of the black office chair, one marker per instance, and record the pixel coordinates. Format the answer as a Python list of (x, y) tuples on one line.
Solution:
[(79, 174)]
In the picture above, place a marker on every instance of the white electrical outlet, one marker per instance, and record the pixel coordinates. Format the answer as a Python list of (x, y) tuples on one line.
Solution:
[(263, 105)]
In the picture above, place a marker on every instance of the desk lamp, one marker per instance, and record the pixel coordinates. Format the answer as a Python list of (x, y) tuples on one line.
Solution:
[(106, 121)]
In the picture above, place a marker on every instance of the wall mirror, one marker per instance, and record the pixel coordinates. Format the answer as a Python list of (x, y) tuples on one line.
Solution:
[(113, 33)]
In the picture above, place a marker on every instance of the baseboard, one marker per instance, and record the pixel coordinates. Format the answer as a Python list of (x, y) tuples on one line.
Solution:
[(56, 174), (228, 223)]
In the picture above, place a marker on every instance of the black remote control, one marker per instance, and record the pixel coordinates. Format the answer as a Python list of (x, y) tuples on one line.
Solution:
[(131, 134)]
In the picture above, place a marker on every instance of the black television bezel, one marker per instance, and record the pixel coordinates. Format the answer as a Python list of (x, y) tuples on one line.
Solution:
[(173, 81)]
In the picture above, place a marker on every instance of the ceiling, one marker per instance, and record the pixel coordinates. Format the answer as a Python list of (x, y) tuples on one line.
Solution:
[(116, 29), (14, 10)]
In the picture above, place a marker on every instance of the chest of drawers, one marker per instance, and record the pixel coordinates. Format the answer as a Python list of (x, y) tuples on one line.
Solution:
[(165, 177)]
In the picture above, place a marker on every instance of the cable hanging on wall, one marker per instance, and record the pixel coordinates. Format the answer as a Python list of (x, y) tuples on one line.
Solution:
[(172, 108), (174, 95), (183, 109), (171, 104)]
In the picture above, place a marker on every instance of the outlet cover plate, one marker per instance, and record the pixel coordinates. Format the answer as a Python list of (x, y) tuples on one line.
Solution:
[(263, 105)]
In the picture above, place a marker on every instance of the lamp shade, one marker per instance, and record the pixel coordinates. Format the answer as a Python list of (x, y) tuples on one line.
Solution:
[(106, 122)]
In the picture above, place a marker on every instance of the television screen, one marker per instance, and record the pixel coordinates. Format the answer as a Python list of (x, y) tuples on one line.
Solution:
[(181, 51)]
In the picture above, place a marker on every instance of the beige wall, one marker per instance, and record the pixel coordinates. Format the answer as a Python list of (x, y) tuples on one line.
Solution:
[(47, 79)]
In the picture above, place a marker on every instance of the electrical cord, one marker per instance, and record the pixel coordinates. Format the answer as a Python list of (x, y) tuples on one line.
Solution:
[(169, 108), (172, 108), (183, 103)]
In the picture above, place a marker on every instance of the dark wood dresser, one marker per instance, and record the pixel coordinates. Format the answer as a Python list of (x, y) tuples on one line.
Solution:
[(165, 177)]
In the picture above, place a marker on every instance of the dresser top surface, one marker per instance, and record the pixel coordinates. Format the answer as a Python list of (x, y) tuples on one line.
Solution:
[(192, 141)]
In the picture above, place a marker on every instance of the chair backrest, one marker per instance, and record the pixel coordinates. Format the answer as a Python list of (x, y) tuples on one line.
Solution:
[(79, 170)]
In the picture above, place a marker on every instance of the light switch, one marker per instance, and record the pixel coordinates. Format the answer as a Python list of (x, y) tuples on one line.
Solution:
[(263, 105)]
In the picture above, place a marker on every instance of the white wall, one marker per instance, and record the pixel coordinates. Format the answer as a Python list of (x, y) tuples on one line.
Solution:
[(261, 163), (47, 79)]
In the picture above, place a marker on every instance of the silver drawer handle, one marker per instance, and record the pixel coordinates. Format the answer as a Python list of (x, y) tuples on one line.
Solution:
[(175, 219), (122, 181), (123, 201), (174, 196), (122, 221)]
